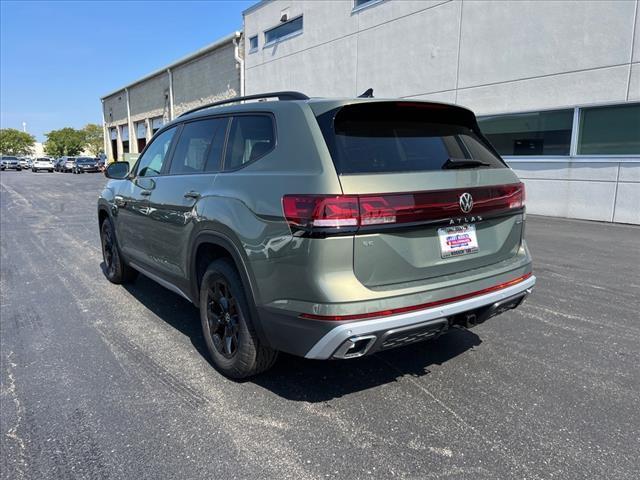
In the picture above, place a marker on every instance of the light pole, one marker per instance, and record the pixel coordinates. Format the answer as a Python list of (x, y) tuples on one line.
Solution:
[(24, 126)]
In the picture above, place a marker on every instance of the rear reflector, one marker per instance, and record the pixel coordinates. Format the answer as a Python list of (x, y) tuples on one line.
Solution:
[(347, 213), (422, 306)]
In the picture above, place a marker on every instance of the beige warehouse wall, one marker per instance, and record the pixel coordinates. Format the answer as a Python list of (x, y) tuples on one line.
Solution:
[(212, 77)]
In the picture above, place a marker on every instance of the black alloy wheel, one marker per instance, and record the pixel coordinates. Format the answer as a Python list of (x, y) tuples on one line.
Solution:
[(223, 316), (227, 323), (115, 269), (109, 254)]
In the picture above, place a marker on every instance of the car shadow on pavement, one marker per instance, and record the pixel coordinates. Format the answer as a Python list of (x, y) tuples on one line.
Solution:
[(299, 379), (171, 308), (305, 380)]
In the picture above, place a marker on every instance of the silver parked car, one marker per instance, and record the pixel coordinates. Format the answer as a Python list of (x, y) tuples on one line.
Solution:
[(10, 163)]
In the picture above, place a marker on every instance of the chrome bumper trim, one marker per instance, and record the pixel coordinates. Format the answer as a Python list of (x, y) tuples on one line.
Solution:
[(327, 345)]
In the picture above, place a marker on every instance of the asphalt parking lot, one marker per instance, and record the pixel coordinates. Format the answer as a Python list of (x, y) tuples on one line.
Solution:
[(100, 381)]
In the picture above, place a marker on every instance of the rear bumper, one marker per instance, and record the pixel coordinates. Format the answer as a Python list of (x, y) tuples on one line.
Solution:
[(323, 340), (388, 332)]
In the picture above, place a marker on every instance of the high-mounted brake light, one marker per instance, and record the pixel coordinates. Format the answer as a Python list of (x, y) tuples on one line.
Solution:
[(347, 214)]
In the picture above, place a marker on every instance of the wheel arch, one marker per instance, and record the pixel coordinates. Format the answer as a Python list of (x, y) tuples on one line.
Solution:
[(103, 214), (209, 246)]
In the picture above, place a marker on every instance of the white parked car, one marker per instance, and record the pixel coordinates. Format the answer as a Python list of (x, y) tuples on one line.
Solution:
[(42, 163)]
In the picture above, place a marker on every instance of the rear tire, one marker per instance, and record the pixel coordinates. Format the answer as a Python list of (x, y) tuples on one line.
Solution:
[(232, 342), (115, 269)]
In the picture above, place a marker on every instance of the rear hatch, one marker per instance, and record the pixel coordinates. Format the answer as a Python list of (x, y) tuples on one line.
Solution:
[(434, 198)]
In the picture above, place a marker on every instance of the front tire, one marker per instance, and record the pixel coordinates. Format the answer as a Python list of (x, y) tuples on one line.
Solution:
[(115, 269), (232, 342)]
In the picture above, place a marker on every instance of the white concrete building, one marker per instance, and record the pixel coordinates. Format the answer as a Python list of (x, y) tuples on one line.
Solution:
[(557, 83)]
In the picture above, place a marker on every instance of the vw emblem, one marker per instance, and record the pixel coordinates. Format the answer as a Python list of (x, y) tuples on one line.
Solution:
[(466, 202)]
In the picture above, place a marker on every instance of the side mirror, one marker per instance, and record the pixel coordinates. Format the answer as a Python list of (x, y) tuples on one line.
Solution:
[(117, 170)]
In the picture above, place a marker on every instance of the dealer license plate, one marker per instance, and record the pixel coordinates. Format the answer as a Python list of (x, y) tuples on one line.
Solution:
[(458, 240)]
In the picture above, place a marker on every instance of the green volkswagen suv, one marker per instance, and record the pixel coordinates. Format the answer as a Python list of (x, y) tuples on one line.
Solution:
[(325, 228)]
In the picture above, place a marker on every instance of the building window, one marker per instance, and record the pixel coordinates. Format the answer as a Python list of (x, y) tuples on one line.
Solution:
[(253, 44), (535, 133), (610, 130), (141, 135), (156, 124), (113, 134), (358, 4), (124, 136), (284, 31)]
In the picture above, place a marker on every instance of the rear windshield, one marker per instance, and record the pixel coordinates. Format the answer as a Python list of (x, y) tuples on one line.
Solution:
[(85, 160), (403, 137)]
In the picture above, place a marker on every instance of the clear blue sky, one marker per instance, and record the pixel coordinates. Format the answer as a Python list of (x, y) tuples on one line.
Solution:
[(58, 58)]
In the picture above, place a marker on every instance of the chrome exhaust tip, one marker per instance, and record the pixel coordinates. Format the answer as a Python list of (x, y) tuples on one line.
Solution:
[(355, 347)]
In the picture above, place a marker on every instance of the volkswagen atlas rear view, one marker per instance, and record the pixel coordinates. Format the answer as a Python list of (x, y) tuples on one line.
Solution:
[(324, 228)]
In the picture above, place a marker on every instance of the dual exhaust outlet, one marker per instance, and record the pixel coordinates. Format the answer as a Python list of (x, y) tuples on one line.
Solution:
[(355, 347)]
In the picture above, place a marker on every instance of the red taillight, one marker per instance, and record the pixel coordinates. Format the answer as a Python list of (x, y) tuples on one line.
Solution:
[(329, 214), (309, 211)]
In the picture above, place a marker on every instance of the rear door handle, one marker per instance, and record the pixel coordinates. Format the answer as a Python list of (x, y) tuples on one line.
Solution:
[(145, 193), (192, 194)]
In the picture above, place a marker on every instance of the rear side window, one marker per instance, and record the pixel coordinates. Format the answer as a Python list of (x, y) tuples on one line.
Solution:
[(199, 147), (250, 137), (402, 137)]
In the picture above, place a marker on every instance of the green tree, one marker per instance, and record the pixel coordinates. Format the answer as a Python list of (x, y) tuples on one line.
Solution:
[(94, 138), (66, 141), (15, 142)]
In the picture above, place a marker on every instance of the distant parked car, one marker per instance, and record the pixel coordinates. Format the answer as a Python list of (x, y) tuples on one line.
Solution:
[(85, 164), (24, 163), (42, 163), (10, 163), (65, 164)]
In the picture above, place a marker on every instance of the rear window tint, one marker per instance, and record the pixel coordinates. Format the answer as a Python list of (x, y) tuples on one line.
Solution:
[(250, 137), (199, 147), (398, 137)]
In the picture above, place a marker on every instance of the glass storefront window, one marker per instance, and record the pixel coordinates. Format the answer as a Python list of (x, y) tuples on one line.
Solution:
[(533, 133), (610, 130)]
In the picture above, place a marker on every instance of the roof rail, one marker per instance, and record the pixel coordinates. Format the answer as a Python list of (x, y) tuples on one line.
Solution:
[(278, 95)]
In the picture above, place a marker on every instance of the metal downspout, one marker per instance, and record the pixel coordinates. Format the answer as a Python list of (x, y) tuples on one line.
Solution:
[(240, 60)]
